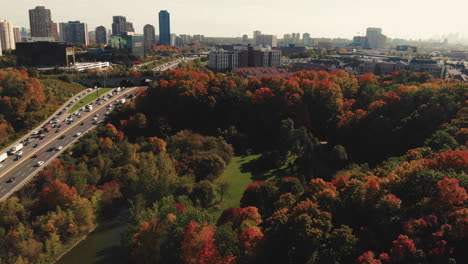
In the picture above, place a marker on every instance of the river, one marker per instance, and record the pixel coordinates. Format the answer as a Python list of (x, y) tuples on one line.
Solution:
[(101, 246)]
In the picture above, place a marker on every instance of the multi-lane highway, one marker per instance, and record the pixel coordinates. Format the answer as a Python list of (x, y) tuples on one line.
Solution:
[(14, 172)]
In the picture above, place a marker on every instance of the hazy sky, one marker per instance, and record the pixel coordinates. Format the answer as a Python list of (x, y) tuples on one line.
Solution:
[(321, 18)]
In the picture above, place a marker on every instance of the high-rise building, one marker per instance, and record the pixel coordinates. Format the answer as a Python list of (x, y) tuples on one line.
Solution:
[(7, 35), (74, 32), (266, 40), (41, 23), (120, 25), (149, 35), (374, 39), (164, 28), (101, 35), (17, 34), (256, 33), (92, 37), (245, 39)]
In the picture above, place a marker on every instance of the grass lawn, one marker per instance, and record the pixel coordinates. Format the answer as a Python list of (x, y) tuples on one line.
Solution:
[(90, 97)]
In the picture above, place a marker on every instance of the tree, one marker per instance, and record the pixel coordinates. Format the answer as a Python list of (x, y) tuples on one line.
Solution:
[(204, 193), (59, 194), (222, 187), (441, 140)]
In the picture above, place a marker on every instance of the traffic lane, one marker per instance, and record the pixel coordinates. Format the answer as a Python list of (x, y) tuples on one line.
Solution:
[(29, 166), (31, 150)]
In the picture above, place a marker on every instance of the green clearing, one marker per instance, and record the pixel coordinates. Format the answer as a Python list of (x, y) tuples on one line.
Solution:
[(89, 98), (240, 172)]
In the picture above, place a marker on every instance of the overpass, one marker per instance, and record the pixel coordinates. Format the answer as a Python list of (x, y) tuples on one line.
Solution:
[(116, 81)]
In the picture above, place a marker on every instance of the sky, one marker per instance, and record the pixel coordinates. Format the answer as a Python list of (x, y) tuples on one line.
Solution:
[(408, 19)]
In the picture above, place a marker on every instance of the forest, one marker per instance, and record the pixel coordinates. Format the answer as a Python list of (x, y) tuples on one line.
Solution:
[(26, 100), (374, 170)]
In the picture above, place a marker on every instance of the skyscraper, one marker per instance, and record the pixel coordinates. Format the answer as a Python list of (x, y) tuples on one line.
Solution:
[(164, 28), (7, 36), (41, 23), (120, 25), (101, 35), (149, 34), (74, 32)]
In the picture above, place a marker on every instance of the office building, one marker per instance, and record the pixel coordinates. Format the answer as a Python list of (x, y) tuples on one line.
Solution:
[(375, 39), (129, 41), (74, 32), (40, 54), (164, 28), (101, 35), (41, 23), (266, 40), (7, 35), (120, 25), (149, 34), (245, 39), (17, 34)]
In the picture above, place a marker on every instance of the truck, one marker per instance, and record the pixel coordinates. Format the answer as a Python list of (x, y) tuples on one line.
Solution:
[(89, 108), (3, 156), (121, 101), (16, 148)]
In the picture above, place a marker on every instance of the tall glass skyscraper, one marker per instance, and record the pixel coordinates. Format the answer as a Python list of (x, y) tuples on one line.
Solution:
[(164, 28)]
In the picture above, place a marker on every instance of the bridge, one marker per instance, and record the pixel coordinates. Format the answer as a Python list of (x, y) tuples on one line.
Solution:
[(116, 81)]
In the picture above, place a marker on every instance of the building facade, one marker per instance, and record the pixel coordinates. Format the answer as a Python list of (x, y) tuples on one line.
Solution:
[(41, 23), (17, 34), (266, 40), (7, 35), (120, 25), (101, 35), (74, 32), (40, 54), (374, 39), (164, 28), (244, 57), (149, 34)]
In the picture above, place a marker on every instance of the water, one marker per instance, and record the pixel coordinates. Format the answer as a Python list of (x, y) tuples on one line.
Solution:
[(100, 247)]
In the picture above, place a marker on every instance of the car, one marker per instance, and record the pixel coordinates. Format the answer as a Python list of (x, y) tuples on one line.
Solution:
[(81, 123), (51, 149), (35, 132), (36, 155), (1, 165), (59, 113), (12, 179), (26, 143), (37, 145), (66, 108), (56, 131), (19, 153), (96, 115), (62, 136), (39, 163), (59, 148), (77, 134), (18, 157), (59, 126)]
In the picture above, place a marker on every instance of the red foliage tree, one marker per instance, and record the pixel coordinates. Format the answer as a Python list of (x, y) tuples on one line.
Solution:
[(58, 194)]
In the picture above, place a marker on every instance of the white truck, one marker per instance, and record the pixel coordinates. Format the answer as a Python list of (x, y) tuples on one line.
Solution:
[(89, 108), (3, 156), (121, 101), (16, 148)]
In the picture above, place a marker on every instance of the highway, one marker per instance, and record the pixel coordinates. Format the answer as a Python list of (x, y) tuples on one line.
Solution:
[(24, 169)]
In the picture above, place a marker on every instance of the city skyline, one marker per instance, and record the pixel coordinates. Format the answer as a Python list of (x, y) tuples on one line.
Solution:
[(416, 20)]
